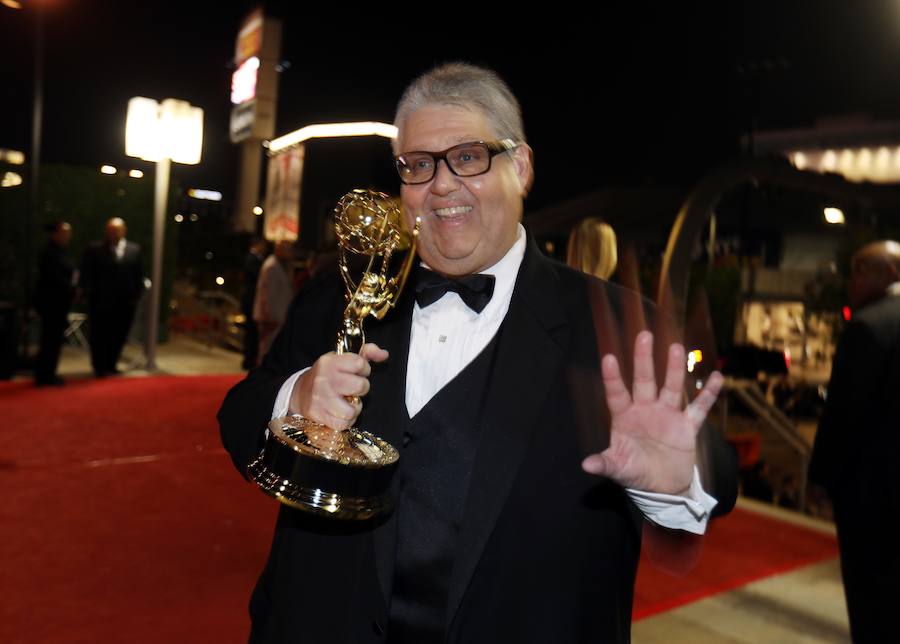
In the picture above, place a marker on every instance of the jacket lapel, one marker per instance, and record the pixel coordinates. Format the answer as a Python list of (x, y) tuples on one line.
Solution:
[(530, 350), (385, 415)]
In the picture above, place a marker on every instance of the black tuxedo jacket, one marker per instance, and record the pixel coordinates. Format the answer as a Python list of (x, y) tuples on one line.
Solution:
[(54, 292), (854, 458), (545, 552), (110, 282), (858, 439)]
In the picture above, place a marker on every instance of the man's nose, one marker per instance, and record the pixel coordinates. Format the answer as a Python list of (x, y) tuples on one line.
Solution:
[(444, 180)]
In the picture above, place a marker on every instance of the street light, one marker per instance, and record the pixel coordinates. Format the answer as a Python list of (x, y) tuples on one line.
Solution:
[(162, 133), (834, 215)]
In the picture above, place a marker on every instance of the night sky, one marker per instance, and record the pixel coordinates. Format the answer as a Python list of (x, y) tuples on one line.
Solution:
[(656, 93)]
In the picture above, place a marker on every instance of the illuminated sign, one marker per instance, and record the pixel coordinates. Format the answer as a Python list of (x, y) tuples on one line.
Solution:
[(243, 81), (242, 119), (254, 83), (249, 40), (10, 180), (14, 157), (325, 130), (171, 129)]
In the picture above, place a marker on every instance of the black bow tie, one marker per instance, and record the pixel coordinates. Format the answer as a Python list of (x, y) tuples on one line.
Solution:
[(475, 290)]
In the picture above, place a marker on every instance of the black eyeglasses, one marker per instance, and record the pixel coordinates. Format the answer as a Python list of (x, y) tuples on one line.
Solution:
[(464, 160)]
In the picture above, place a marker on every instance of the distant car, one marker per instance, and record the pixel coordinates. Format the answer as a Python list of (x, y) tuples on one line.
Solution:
[(211, 315)]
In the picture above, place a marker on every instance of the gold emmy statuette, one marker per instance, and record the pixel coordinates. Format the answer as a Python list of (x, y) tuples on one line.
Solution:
[(306, 465)]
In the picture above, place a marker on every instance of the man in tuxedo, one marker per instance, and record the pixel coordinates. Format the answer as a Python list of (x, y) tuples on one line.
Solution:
[(112, 275), (52, 299), (520, 496), (856, 446), (256, 255)]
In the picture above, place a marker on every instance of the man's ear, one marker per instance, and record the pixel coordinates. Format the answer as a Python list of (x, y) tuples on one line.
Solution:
[(523, 158)]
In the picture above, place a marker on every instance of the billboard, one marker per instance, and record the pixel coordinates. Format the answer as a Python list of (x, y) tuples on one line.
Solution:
[(254, 83), (282, 211)]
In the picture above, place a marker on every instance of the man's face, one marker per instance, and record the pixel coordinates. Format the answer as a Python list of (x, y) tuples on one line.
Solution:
[(284, 251), (468, 223), (115, 231), (870, 275), (63, 235)]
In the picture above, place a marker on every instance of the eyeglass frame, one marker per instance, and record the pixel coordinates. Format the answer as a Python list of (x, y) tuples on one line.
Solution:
[(493, 147)]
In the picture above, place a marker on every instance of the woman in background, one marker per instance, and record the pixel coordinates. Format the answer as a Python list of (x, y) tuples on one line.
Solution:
[(592, 248)]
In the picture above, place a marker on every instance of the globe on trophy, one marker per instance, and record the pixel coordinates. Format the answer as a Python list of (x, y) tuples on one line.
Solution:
[(344, 474)]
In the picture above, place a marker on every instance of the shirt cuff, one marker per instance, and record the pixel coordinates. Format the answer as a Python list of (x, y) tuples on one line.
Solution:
[(690, 513), (283, 399)]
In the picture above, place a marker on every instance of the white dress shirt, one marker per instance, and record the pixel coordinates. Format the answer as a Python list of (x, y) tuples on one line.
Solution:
[(119, 249), (447, 335)]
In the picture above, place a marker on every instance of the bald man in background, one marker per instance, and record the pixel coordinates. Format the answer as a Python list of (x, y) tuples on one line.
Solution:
[(858, 442), (112, 275)]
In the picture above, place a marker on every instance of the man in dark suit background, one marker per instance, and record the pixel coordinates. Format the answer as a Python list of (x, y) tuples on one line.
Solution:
[(858, 442), (112, 275), (52, 299), (513, 523), (252, 264)]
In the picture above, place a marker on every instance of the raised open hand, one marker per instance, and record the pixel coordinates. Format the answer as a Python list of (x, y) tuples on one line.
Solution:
[(653, 441)]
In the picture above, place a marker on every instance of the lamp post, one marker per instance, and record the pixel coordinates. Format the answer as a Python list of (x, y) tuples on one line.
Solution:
[(162, 133)]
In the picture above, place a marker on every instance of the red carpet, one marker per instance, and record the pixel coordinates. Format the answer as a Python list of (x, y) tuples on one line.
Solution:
[(739, 548), (123, 520)]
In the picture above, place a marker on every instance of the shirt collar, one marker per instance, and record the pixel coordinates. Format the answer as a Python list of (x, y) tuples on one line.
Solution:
[(504, 272), (507, 268)]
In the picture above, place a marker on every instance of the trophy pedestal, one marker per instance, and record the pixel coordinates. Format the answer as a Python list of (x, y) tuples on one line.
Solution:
[(339, 474)]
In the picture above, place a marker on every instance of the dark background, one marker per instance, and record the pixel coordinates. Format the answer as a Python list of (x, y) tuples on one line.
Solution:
[(657, 92)]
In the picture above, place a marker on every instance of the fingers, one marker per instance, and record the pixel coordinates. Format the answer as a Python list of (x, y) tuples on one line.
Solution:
[(644, 387), (672, 393), (617, 396), (339, 415), (349, 384), (371, 351), (330, 391), (699, 408), (596, 464), (350, 363)]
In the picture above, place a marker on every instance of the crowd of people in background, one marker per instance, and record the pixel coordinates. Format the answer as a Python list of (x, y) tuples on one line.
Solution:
[(270, 283), (110, 279)]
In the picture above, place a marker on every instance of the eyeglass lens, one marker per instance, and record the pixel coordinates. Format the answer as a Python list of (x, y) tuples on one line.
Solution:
[(464, 160)]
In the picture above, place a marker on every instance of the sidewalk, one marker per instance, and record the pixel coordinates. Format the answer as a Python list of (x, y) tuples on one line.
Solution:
[(804, 606), (180, 356)]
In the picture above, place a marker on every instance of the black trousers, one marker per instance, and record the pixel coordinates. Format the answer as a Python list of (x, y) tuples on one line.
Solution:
[(53, 326), (108, 332), (870, 568)]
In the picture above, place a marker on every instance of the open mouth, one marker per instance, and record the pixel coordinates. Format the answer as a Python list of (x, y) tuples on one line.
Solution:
[(452, 213)]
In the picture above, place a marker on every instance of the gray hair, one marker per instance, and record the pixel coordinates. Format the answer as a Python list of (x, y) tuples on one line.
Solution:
[(465, 85)]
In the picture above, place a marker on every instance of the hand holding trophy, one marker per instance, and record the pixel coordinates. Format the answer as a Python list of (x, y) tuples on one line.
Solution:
[(310, 466)]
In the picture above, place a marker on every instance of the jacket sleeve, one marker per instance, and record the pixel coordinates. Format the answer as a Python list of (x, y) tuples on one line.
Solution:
[(312, 323)]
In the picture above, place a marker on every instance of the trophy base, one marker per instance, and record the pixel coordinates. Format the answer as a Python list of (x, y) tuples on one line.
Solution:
[(317, 500), (310, 467)]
